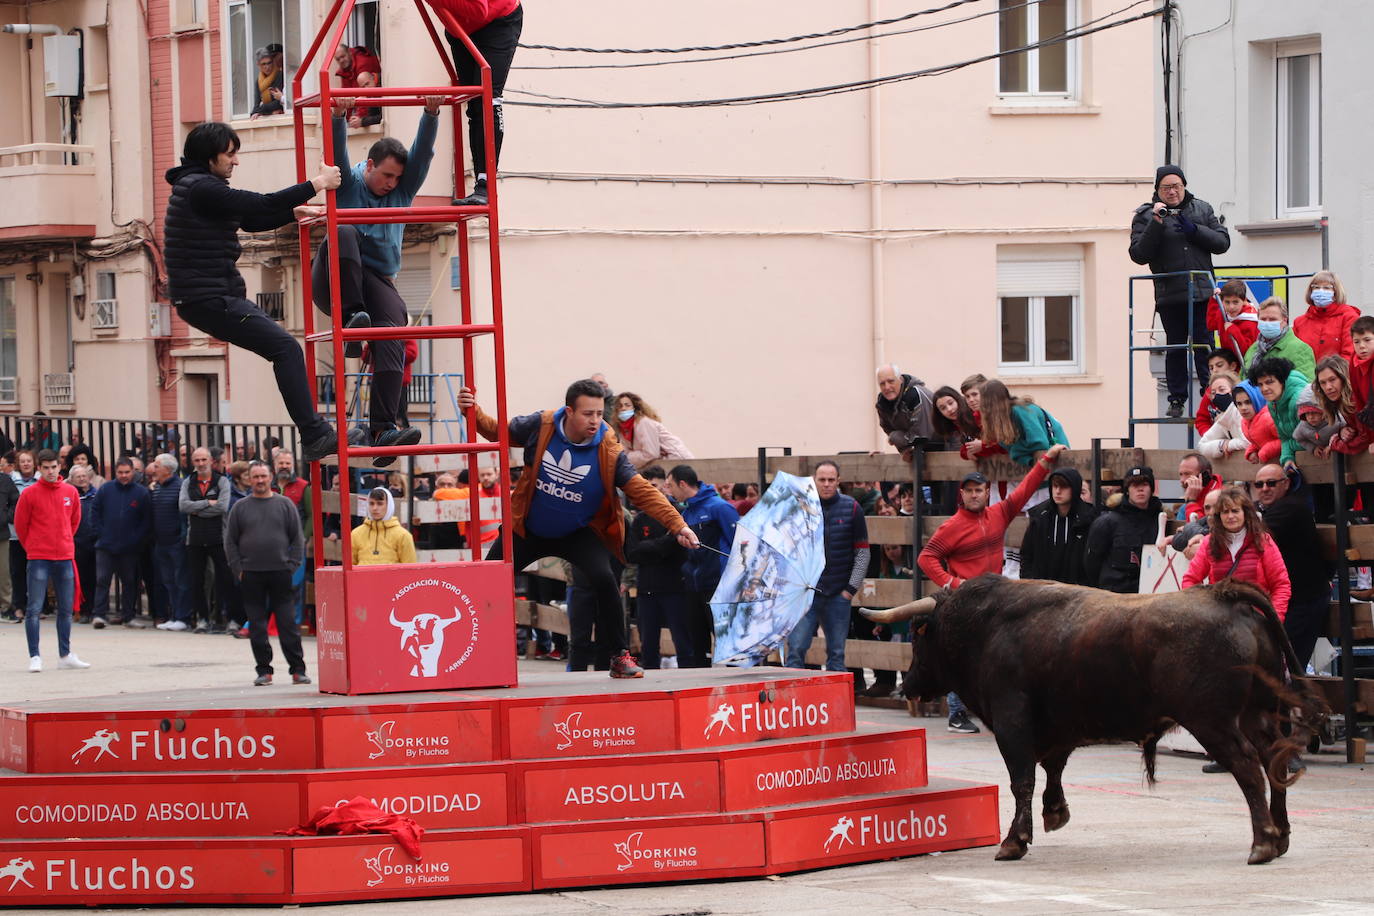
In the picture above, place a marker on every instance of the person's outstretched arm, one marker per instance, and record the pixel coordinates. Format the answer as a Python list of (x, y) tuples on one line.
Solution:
[(259, 212)]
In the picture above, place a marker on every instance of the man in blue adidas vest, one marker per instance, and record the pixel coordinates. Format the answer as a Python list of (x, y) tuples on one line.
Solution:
[(370, 258), (565, 505), (846, 561)]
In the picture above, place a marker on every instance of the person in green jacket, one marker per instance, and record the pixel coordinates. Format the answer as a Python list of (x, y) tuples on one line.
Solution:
[(1021, 426), (1281, 386), (1276, 338)]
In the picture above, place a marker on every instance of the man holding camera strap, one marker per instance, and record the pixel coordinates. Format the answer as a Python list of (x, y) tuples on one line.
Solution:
[(1176, 231)]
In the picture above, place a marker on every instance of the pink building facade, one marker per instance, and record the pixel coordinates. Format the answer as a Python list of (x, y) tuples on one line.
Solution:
[(742, 267)]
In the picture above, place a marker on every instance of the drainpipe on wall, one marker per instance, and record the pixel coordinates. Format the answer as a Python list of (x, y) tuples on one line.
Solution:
[(875, 210)]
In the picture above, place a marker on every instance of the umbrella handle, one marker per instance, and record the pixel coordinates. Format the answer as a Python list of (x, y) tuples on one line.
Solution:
[(714, 550)]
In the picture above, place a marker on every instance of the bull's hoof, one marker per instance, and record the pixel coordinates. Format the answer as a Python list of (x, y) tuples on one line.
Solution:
[(1261, 853), (1281, 844), (1056, 817), (1010, 851)]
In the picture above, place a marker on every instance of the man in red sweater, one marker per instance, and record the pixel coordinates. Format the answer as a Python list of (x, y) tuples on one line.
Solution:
[(46, 519), (970, 542)]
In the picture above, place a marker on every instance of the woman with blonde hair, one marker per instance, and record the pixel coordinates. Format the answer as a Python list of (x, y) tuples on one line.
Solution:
[(1018, 424), (642, 433), (1325, 326)]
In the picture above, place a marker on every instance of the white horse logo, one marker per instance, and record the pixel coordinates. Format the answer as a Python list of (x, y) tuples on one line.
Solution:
[(101, 742), (721, 717), (840, 832), (16, 871)]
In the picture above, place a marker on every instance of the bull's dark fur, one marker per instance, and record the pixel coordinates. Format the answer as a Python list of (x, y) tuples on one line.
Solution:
[(1050, 668)]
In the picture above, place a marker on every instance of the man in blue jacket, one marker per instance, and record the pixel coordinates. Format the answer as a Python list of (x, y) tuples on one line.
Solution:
[(714, 520), (123, 521), (370, 258)]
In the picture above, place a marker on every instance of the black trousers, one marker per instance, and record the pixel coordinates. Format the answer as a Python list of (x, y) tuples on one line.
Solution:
[(85, 573), (107, 566), (1305, 623), (603, 616), (1174, 318), (701, 628), (243, 324), (657, 610), (496, 41), (19, 576), (260, 589), (362, 289), (197, 556)]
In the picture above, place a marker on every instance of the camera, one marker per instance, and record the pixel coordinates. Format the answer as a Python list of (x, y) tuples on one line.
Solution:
[(1168, 211)]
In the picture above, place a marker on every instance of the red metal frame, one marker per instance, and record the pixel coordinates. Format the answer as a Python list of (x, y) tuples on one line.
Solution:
[(325, 43)]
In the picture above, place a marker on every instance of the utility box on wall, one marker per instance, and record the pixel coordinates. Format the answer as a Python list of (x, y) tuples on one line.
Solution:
[(62, 65)]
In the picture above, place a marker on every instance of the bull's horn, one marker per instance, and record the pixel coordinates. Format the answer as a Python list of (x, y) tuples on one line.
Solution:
[(898, 614), (457, 615), (394, 621)]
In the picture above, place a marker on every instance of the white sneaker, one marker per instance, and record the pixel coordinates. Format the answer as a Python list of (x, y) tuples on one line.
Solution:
[(36, 663), (176, 625), (164, 624), (71, 661)]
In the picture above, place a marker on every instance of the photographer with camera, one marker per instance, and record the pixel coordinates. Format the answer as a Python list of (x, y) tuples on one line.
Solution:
[(1176, 231)]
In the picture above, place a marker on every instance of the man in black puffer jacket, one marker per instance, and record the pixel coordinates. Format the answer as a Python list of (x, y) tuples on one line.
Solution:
[(202, 248), (1119, 537), (1177, 231), (1058, 533)]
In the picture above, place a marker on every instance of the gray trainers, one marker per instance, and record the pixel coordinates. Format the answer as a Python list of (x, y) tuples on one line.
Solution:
[(961, 724)]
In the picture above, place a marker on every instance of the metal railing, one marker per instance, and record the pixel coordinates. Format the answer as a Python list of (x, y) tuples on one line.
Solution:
[(274, 304), (104, 314), (59, 389)]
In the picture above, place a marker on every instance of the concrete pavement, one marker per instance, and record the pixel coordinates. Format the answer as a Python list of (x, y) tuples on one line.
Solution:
[(1179, 848)]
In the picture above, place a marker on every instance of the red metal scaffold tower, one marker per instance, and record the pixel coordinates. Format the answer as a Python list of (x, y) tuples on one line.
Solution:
[(437, 625)]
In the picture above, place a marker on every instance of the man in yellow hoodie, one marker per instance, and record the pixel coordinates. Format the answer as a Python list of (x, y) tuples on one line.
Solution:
[(381, 537)]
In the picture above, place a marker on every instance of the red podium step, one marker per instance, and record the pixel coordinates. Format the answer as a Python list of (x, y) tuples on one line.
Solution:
[(568, 780)]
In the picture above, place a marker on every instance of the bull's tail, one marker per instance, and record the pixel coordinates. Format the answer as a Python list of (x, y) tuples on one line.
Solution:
[(1301, 708)]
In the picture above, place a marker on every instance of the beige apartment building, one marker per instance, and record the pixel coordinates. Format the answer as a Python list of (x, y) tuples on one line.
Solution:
[(744, 267)]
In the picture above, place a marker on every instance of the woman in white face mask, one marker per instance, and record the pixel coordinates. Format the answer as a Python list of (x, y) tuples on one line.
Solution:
[(1325, 326), (642, 434), (1277, 339)]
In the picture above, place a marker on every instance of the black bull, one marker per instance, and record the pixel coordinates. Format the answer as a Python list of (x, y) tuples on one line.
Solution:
[(1050, 668)]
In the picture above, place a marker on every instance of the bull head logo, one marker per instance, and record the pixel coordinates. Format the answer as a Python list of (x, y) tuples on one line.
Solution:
[(422, 637)]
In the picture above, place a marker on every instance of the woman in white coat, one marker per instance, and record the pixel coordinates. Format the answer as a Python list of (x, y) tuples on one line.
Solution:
[(1226, 437)]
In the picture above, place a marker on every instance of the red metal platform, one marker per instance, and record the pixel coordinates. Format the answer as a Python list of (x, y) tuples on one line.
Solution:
[(569, 780)]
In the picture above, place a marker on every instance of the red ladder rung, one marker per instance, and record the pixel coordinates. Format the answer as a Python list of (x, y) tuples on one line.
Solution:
[(407, 332)]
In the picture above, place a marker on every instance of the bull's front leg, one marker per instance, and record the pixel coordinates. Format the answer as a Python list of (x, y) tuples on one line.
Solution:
[(1016, 742), (1055, 808)]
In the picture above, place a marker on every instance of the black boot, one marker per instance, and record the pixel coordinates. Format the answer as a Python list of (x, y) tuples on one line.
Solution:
[(478, 197)]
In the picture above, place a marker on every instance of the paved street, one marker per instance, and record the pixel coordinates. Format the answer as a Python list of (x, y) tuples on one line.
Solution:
[(1179, 848)]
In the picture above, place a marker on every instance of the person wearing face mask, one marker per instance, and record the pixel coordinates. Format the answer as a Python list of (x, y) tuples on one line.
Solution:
[(1176, 231), (1226, 436), (1325, 326), (1277, 339), (643, 434), (1256, 423), (1282, 387)]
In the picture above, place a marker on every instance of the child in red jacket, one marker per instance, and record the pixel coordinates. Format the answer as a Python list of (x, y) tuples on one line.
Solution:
[(1233, 316)]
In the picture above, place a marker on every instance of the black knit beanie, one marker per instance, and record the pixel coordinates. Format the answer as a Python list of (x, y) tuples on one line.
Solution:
[(1165, 170)]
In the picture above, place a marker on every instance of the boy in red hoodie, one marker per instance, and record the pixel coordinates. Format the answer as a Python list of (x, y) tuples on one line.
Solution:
[(1362, 375), (1233, 316), (46, 519)]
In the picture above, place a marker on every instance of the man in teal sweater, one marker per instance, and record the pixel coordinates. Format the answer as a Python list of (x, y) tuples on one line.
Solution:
[(370, 258)]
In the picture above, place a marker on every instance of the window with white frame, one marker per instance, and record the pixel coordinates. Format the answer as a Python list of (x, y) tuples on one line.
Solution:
[(1298, 134), (1050, 70), (9, 343), (364, 27), (256, 25), (1040, 310)]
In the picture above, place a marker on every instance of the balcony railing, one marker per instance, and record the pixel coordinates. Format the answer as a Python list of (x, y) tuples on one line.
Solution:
[(105, 314), (50, 187), (274, 304), (59, 389), (420, 391), (9, 389)]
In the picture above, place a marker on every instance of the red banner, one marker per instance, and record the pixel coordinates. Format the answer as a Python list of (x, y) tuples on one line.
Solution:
[(578, 727), (379, 868), (638, 853), (240, 740), (836, 769), (409, 737), (641, 789), (46, 876), (748, 713), (439, 800)]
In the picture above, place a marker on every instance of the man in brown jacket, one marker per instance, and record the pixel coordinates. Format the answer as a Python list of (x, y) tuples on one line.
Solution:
[(565, 505)]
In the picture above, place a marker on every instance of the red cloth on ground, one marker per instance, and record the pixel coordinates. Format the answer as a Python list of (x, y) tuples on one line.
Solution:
[(360, 816)]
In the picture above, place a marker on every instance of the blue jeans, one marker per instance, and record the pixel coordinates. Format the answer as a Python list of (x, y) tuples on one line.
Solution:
[(831, 612), (173, 591), (956, 705), (62, 575)]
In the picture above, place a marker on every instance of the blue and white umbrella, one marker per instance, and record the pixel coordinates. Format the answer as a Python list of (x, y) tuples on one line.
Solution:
[(771, 573)]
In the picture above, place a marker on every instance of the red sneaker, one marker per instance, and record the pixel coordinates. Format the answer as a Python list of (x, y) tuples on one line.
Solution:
[(624, 665)]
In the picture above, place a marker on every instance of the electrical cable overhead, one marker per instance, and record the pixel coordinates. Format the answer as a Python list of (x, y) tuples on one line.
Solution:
[(555, 101), (756, 44), (824, 44)]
